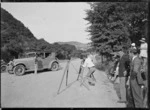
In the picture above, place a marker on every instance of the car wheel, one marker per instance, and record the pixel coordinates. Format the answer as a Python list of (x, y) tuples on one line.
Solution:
[(19, 70), (3, 68), (54, 66)]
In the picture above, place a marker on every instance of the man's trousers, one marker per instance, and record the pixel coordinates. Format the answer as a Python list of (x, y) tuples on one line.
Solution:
[(136, 93), (123, 88), (90, 74)]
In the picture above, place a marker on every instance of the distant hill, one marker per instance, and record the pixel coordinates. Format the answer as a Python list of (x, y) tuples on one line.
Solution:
[(14, 32), (16, 39), (78, 45)]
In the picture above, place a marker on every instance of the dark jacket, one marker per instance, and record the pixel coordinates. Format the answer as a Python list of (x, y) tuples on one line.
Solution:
[(123, 64)]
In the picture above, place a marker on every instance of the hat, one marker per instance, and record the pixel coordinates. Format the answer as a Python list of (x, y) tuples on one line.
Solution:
[(142, 40), (133, 44)]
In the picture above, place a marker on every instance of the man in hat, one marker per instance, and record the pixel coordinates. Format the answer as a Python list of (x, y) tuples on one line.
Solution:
[(133, 46), (136, 81)]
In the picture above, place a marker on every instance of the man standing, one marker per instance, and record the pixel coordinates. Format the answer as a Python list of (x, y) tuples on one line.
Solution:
[(89, 63), (36, 64), (136, 81), (124, 58), (143, 48), (143, 55)]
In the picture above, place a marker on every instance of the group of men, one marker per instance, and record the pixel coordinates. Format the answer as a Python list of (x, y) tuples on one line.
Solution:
[(131, 68), (134, 77)]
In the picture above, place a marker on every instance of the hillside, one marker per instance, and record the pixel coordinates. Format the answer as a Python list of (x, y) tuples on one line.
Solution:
[(78, 45), (13, 30), (16, 39)]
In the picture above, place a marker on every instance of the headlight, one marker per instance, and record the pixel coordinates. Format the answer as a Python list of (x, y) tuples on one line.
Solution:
[(11, 63)]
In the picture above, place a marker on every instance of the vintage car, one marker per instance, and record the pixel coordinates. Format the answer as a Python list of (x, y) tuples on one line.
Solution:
[(27, 63)]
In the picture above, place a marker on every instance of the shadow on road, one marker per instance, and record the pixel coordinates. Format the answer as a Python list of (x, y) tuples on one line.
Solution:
[(129, 97), (116, 87), (42, 71)]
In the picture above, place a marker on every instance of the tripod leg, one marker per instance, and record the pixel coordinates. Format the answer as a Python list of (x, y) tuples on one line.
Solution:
[(63, 77), (67, 72), (79, 73), (67, 77), (82, 79), (84, 84)]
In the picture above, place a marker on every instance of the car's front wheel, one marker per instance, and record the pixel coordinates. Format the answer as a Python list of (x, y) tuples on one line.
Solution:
[(54, 66), (19, 70)]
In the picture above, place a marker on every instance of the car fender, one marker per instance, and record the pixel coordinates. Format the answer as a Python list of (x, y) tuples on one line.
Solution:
[(49, 66), (20, 64)]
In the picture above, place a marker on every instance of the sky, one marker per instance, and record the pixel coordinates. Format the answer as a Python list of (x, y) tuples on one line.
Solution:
[(53, 21)]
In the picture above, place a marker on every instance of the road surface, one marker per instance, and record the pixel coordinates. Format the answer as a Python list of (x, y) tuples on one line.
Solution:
[(40, 90)]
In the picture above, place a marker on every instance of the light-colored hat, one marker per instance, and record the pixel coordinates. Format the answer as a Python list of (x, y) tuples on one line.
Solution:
[(133, 44), (142, 40)]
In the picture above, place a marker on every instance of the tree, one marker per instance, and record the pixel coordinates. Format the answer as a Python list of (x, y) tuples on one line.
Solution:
[(116, 24)]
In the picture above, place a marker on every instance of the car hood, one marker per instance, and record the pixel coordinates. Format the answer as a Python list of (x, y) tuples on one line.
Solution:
[(23, 59)]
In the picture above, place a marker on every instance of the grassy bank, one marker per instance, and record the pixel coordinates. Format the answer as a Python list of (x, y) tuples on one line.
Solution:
[(102, 66)]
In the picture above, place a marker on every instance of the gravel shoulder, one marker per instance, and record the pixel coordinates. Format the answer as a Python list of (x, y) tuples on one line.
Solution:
[(41, 90)]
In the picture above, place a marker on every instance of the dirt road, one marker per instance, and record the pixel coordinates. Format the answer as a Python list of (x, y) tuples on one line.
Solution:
[(41, 90)]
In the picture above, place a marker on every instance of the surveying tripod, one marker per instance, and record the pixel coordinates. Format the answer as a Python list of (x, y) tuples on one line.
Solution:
[(80, 75)]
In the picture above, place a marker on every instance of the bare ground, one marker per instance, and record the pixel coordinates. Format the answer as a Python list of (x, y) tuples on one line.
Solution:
[(40, 90)]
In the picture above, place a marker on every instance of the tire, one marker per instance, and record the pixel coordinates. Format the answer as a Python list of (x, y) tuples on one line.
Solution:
[(10, 72), (19, 70), (3, 68), (54, 66)]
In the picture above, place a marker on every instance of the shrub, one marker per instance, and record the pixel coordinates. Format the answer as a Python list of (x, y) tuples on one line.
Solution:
[(105, 66)]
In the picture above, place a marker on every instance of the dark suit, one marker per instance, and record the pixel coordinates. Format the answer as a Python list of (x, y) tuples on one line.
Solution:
[(136, 81), (122, 64), (122, 67)]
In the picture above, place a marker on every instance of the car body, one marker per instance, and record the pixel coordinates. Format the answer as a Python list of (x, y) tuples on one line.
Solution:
[(44, 60)]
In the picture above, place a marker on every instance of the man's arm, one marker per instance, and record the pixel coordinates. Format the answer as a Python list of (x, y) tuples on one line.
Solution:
[(85, 63)]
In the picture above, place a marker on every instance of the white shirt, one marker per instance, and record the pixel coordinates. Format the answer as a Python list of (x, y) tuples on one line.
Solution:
[(117, 69), (143, 52), (88, 63)]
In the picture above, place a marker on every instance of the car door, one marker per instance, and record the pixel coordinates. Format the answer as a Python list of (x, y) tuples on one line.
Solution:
[(40, 59), (31, 60), (30, 63), (39, 63)]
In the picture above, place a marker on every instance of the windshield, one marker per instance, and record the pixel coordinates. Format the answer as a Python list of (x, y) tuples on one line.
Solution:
[(30, 55)]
